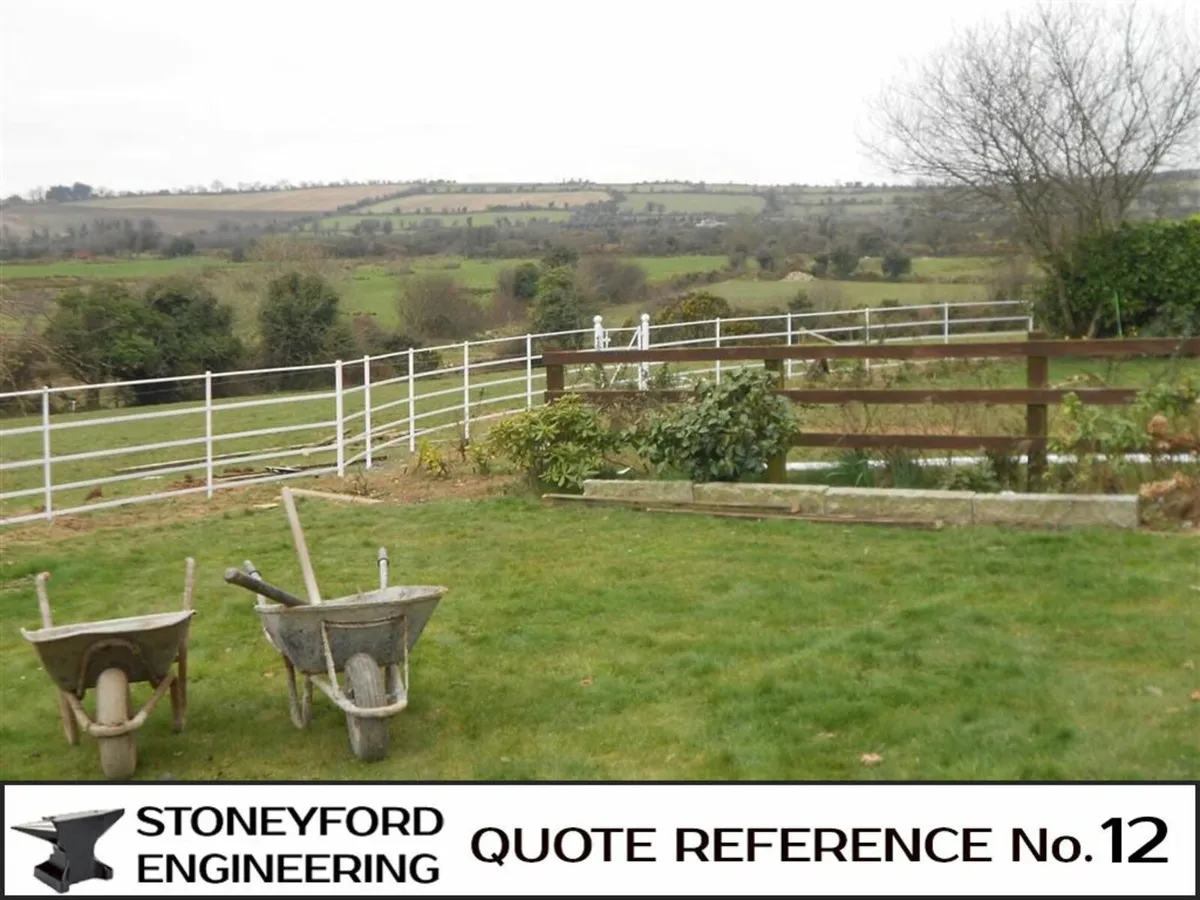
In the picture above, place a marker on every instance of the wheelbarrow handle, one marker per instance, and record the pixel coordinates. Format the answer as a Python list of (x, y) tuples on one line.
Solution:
[(258, 586)]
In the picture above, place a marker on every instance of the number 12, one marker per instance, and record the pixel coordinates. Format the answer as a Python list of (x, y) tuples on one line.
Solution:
[(1138, 856)]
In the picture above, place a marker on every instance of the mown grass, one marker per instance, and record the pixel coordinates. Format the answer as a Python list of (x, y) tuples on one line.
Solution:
[(598, 644)]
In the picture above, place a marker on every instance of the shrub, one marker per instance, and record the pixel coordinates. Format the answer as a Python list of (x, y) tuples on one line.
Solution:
[(560, 444), (1140, 276), (300, 324), (436, 307), (727, 432), (895, 264)]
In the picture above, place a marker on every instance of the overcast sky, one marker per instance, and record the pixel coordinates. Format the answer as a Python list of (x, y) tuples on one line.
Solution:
[(135, 95)]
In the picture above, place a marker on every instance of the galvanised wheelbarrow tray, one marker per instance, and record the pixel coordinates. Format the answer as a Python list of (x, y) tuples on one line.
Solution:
[(367, 637), (108, 656)]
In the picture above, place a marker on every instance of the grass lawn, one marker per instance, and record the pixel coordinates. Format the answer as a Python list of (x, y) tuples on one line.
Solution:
[(607, 644)]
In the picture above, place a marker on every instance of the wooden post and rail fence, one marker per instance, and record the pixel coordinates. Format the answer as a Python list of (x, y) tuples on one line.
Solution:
[(1036, 396)]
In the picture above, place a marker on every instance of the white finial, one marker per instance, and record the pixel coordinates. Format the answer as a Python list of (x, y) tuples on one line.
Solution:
[(596, 320)]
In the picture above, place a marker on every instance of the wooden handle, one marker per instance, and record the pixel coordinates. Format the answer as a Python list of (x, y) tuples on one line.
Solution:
[(44, 599), (310, 579), (258, 586)]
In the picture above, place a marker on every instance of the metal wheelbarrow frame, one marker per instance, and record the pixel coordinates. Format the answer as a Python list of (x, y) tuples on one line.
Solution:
[(356, 636), (109, 656)]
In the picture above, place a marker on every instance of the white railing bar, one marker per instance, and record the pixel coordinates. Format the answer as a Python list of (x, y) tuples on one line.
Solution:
[(282, 429), (113, 420), (274, 401), (129, 476), (311, 367), (126, 451)]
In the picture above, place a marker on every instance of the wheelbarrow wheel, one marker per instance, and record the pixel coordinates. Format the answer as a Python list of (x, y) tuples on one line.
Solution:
[(369, 738), (118, 755)]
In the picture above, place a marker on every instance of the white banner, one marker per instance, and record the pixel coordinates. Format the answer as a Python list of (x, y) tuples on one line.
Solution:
[(589, 839)]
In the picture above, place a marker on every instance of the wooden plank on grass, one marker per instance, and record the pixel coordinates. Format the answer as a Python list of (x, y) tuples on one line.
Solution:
[(328, 495)]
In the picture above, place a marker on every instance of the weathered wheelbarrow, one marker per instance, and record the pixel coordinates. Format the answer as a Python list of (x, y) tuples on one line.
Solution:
[(367, 637), (109, 656)]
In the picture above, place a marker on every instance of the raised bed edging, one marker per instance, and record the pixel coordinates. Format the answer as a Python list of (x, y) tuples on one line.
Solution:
[(950, 507)]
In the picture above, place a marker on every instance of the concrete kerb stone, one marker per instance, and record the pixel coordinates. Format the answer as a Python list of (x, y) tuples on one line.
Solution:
[(646, 491), (950, 507), (808, 499), (1058, 510)]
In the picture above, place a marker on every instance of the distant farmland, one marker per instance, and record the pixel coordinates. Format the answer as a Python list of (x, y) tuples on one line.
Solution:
[(700, 202), (459, 220), (481, 202), (300, 200)]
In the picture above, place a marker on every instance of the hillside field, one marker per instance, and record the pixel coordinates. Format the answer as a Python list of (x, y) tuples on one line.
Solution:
[(481, 202), (459, 220), (728, 204)]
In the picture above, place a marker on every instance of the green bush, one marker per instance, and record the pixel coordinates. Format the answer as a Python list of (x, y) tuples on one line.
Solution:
[(1139, 278), (727, 431), (559, 444)]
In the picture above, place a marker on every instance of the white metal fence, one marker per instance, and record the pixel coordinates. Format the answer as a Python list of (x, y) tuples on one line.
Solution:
[(57, 459)]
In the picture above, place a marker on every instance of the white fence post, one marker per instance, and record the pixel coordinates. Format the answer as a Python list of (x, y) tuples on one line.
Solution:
[(466, 390), (367, 411), (208, 435), (717, 338), (945, 323), (412, 401), (867, 334), (599, 338), (337, 414), (644, 344), (788, 364), (49, 480), (529, 371)]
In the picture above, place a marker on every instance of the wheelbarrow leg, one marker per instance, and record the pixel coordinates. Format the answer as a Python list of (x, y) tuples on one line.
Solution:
[(299, 703), (179, 685), (118, 755), (70, 726)]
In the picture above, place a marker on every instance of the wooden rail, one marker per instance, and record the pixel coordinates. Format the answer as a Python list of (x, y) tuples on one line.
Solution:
[(1036, 396)]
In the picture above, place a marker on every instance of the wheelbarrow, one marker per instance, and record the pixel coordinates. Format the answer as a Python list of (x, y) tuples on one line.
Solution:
[(109, 656), (366, 637)]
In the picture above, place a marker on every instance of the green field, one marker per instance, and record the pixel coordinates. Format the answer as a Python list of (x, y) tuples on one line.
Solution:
[(453, 202), (699, 202), (756, 295), (607, 644), (142, 267), (368, 288)]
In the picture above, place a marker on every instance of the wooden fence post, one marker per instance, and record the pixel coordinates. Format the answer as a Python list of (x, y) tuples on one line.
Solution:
[(777, 465), (1037, 375), (554, 380)]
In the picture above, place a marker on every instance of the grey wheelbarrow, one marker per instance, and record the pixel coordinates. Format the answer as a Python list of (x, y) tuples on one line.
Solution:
[(366, 637), (108, 657)]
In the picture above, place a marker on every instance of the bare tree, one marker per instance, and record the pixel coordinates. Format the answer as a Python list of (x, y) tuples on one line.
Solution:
[(1060, 119)]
